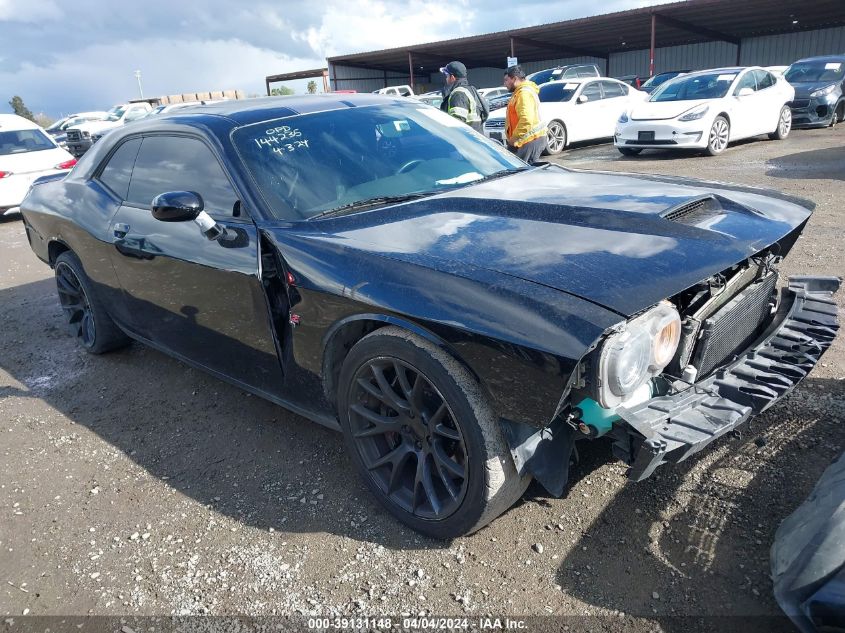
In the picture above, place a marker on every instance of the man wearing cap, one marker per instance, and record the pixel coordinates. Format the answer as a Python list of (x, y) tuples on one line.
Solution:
[(524, 130), (461, 100)]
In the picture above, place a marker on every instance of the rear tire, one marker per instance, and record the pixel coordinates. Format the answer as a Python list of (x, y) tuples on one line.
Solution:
[(447, 478), (629, 151), (720, 133), (86, 317), (784, 124), (555, 138)]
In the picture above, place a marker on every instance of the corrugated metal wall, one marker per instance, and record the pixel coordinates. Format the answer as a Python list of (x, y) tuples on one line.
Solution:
[(770, 50), (692, 56), (782, 50), (363, 79)]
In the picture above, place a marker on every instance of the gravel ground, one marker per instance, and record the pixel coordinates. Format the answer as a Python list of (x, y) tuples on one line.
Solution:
[(131, 484)]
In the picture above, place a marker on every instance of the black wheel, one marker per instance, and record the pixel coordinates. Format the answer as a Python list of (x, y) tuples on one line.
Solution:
[(629, 151), (838, 114), (720, 133), (555, 138), (423, 435), (86, 318), (784, 124)]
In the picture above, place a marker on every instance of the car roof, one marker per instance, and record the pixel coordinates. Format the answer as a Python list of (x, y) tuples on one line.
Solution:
[(15, 122), (724, 71), (247, 111), (822, 58)]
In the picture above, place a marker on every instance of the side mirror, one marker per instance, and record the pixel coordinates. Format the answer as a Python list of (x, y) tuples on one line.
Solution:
[(744, 92), (583, 99), (180, 206), (177, 206)]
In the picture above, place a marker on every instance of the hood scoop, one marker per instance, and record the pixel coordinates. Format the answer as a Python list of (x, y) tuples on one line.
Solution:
[(694, 211)]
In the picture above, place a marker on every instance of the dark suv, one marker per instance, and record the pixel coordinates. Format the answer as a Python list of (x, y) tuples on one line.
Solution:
[(819, 84), (564, 72)]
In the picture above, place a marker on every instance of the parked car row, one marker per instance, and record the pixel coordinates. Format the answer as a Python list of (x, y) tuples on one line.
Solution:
[(683, 109)]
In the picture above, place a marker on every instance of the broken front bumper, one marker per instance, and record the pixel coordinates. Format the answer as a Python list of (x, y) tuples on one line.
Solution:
[(673, 427)]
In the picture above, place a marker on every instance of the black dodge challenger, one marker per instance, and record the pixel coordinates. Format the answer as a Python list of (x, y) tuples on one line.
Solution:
[(376, 266)]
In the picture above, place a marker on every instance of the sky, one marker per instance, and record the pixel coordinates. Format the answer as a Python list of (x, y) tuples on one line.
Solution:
[(63, 56)]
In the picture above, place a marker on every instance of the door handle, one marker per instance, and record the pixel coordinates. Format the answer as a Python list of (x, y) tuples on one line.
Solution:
[(120, 229)]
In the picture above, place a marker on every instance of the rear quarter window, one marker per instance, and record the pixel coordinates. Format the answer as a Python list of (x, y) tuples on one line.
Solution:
[(118, 169)]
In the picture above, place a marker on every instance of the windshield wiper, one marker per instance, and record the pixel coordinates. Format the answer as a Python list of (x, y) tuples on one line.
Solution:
[(499, 174), (370, 202)]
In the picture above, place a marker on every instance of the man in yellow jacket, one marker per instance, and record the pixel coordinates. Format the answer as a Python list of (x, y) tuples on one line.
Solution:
[(525, 133)]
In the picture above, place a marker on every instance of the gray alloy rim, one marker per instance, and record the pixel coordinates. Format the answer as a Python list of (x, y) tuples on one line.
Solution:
[(557, 137), (719, 135), (408, 438), (785, 121), (74, 302)]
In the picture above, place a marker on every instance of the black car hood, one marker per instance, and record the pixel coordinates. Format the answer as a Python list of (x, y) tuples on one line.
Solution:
[(595, 235)]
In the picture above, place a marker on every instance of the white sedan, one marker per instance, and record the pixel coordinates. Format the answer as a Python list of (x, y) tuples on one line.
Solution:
[(707, 110), (26, 152), (573, 110)]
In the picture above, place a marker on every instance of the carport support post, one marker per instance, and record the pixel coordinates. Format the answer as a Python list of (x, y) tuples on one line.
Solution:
[(411, 69), (513, 49), (651, 53)]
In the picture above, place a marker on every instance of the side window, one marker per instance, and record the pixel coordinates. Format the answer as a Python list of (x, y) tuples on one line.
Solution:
[(592, 91), (613, 89), (175, 163), (747, 81), (115, 175), (586, 71), (764, 79), (569, 73)]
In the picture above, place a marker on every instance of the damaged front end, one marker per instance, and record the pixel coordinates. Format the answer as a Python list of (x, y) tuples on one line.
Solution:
[(670, 380)]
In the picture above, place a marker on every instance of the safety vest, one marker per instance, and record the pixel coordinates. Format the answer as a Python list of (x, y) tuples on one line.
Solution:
[(522, 120), (470, 116)]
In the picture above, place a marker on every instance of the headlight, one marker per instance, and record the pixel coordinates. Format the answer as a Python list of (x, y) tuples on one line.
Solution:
[(694, 115), (823, 92), (623, 118), (640, 351)]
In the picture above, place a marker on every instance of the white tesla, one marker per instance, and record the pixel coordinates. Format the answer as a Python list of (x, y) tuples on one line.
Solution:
[(707, 110), (26, 152), (582, 109)]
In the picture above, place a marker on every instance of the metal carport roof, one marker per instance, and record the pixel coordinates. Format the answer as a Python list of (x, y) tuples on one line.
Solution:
[(677, 23)]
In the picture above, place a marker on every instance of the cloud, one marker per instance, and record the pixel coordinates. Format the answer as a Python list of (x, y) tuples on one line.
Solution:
[(83, 55)]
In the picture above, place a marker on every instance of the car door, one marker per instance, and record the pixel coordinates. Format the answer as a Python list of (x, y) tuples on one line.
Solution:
[(744, 107), (770, 102), (614, 103), (197, 298), (585, 120)]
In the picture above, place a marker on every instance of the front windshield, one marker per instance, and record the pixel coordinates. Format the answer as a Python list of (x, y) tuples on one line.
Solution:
[(659, 80), (557, 91), (311, 164), (694, 87), (115, 113), (815, 72), (542, 76)]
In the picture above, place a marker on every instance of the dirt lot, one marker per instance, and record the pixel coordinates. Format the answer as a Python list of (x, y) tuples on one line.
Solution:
[(131, 484)]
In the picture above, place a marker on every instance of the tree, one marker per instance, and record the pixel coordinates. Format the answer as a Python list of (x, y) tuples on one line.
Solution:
[(281, 91), (43, 120), (20, 109), (312, 87)]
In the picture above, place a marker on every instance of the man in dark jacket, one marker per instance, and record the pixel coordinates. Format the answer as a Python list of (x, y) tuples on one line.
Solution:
[(460, 99)]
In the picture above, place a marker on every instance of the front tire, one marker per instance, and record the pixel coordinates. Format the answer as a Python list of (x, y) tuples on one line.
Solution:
[(720, 133), (784, 124), (85, 315), (423, 435), (838, 114), (629, 151), (555, 138)]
